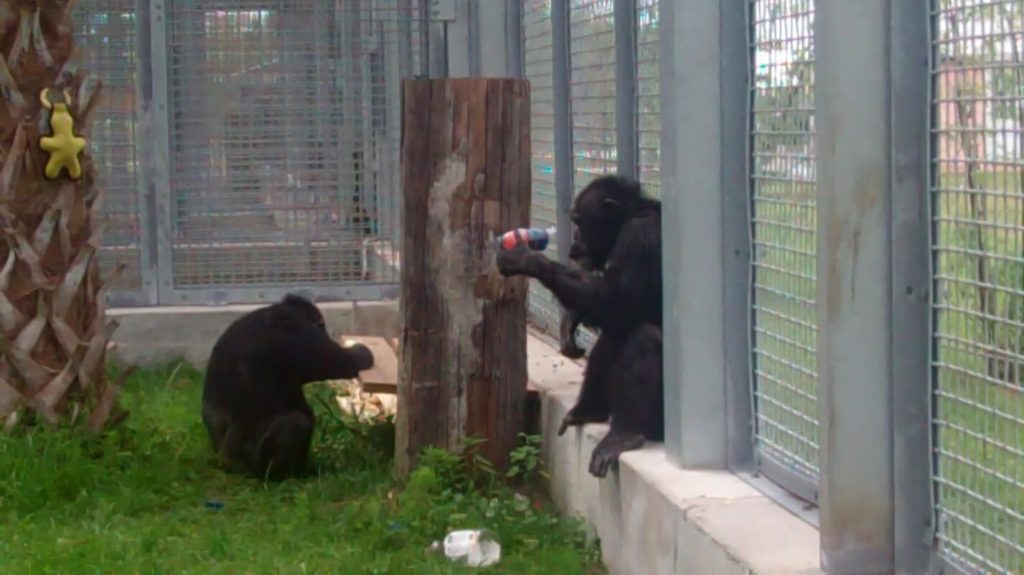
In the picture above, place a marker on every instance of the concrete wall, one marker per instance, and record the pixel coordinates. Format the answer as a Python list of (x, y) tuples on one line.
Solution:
[(153, 336), (654, 518)]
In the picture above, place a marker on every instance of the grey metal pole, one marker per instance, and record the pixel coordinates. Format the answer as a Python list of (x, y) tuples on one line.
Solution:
[(867, 213), (563, 124), (911, 282), (625, 87), (704, 231), (159, 156), (148, 240)]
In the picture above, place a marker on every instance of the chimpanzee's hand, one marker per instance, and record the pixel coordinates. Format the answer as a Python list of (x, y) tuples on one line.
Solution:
[(361, 355), (520, 260)]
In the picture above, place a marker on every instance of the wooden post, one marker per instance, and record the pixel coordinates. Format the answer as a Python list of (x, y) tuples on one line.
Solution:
[(465, 180)]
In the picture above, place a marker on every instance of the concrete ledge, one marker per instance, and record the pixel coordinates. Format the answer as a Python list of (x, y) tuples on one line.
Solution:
[(153, 336), (653, 517)]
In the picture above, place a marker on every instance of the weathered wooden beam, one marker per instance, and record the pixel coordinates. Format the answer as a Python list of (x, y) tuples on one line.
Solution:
[(465, 180)]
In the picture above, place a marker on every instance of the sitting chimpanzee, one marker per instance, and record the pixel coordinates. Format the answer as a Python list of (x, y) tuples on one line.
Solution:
[(620, 232), (253, 404)]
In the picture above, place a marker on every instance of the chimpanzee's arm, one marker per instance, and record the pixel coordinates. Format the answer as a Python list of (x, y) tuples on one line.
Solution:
[(612, 300), (316, 357), (585, 293)]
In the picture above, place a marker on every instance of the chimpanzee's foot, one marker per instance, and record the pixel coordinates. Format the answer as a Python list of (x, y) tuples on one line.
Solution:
[(606, 454)]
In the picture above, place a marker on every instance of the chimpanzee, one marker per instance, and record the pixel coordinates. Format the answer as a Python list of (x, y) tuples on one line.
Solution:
[(253, 406), (620, 232)]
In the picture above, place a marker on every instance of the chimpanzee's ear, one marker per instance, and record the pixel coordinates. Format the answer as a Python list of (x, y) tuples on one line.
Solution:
[(611, 206)]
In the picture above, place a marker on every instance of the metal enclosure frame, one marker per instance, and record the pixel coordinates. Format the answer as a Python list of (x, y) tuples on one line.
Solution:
[(156, 199)]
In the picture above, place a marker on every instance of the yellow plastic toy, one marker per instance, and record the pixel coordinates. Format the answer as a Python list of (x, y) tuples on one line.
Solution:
[(63, 146)]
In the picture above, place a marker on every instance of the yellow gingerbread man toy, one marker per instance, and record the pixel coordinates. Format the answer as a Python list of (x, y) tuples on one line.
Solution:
[(64, 146)]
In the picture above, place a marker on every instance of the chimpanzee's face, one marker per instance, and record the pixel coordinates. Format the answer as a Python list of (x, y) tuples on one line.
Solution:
[(597, 219)]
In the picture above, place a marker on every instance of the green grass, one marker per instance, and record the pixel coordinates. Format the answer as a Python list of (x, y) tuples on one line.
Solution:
[(979, 396), (134, 501)]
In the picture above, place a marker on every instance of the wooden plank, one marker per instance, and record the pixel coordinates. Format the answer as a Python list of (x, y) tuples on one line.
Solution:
[(383, 376), (465, 180)]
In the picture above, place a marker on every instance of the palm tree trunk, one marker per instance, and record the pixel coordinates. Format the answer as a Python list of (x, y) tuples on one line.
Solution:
[(52, 313)]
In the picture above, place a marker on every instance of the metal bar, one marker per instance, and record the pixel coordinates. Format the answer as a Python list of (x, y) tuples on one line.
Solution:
[(735, 201), (514, 39), (563, 124), (692, 36), (472, 24), (647, 90), (492, 34), (625, 86), (159, 157), (934, 56), (459, 46), (216, 297), (853, 86), (798, 506), (783, 473), (435, 44), (911, 278), (934, 88), (148, 252)]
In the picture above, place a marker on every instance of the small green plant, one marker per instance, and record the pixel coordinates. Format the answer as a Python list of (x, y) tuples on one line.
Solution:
[(525, 463)]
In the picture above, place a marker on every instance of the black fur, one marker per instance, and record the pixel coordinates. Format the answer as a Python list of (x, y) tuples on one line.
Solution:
[(619, 231), (253, 405), (571, 320)]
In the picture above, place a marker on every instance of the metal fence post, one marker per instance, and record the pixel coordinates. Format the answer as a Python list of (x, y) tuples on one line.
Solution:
[(704, 230), (494, 27), (514, 39), (479, 39), (869, 166), (158, 157), (435, 41), (459, 41), (148, 257), (563, 124), (625, 87), (735, 209), (911, 254)]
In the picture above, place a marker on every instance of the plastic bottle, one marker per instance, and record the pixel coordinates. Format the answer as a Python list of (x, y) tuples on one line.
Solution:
[(536, 238), (472, 547)]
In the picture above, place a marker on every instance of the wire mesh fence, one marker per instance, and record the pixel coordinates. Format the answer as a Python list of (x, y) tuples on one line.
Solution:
[(106, 34), (592, 89), (978, 242), (538, 64), (784, 222), (285, 127), (592, 93), (648, 98)]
